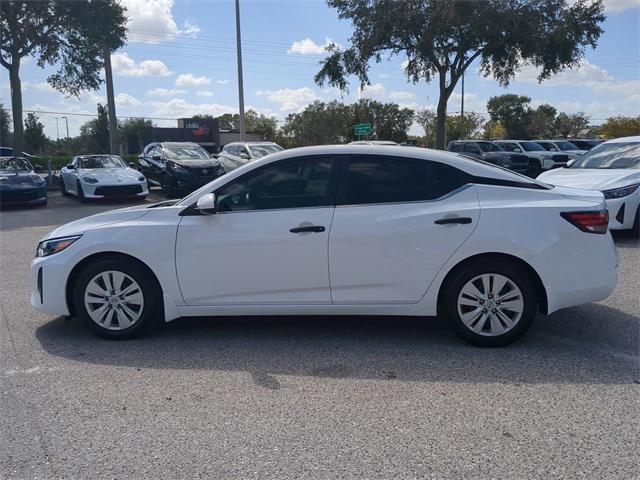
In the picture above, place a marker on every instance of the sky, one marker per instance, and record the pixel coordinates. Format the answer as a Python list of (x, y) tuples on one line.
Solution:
[(180, 60)]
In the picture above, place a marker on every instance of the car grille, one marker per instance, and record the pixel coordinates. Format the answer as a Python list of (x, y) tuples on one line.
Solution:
[(21, 195), (118, 190), (560, 158)]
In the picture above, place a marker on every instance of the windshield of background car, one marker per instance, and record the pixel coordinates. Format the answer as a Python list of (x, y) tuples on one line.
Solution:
[(611, 155), (102, 162), (191, 152), (14, 165), (259, 151), (489, 147), (532, 147), (566, 146)]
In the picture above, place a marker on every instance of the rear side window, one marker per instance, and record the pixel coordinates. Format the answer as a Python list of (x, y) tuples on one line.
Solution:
[(455, 147), (380, 179)]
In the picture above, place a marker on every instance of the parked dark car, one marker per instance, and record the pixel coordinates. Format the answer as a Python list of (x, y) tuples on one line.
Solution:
[(492, 153), (178, 167), (19, 184), (585, 143)]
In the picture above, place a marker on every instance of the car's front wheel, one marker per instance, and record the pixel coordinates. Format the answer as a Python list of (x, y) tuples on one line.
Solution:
[(490, 303), (117, 299)]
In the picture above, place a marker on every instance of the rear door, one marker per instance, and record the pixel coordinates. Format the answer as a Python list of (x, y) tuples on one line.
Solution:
[(397, 221)]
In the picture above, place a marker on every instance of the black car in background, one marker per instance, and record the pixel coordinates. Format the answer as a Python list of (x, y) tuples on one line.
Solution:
[(493, 153), (19, 184), (178, 167)]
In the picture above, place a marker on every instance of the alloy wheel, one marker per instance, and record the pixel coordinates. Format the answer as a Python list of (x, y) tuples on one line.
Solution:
[(114, 300), (490, 304)]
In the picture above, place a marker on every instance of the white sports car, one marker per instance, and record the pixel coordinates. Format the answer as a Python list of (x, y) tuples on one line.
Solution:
[(100, 176), (613, 168)]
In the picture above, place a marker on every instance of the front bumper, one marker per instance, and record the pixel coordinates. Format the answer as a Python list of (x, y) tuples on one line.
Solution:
[(23, 196), (623, 211), (49, 283), (115, 190)]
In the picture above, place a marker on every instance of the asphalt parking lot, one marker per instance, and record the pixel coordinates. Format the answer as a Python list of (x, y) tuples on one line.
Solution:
[(312, 397)]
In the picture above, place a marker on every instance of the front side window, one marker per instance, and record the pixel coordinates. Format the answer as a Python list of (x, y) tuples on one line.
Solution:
[(472, 148), (550, 147), (379, 179), (456, 147), (299, 183), (489, 147), (566, 146), (532, 147), (611, 155), (259, 151), (510, 147)]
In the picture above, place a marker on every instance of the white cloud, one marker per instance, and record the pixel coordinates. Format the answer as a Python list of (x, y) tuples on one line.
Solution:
[(181, 108), (126, 100), (620, 5), (189, 80), (222, 82), (123, 64), (371, 91), (204, 93), (401, 95), (309, 47), (151, 21), (290, 99), (164, 92)]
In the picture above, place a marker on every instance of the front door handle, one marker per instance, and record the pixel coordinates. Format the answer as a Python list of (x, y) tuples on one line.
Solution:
[(450, 220), (308, 228)]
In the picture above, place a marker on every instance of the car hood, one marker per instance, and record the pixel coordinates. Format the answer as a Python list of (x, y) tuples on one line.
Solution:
[(27, 180), (111, 174), (204, 163), (592, 178), (78, 227)]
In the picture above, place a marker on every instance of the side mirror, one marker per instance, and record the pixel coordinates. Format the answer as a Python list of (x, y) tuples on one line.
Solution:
[(570, 162), (157, 158), (70, 167), (206, 204), (132, 164), (517, 149), (244, 156)]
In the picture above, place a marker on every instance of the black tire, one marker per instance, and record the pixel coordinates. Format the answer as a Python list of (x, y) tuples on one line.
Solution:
[(635, 230), (516, 274), (168, 189), (152, 311), (63, 189), (81, 196)]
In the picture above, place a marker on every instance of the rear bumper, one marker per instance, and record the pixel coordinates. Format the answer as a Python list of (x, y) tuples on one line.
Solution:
[(581, 268)]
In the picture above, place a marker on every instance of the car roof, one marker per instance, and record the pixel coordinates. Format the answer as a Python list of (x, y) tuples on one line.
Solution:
[(191, 144), (635, 139)]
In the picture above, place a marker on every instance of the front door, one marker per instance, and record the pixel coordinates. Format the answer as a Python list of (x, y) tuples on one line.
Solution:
[(397, 222), (268, 242)]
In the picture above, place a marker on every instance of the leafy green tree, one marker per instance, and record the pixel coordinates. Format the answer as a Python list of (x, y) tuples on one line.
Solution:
[(620, 126), (67, 34), (318, 124), (427, 120), (493, 131), (542, 122), (5, 130), (136, 131), (254, 123), (34, 136), (512, 112), (570, 125), (441, 39), (389, 121), (95, 133)]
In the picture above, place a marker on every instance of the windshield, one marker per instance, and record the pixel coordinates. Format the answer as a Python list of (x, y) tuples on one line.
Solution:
[(14, 165), (259, 151), (489, 147), (532, 147), (108, 161), (185, 152), (565, 146), (611, 155)]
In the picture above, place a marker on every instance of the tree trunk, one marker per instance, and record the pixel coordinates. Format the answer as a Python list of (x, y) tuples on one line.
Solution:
[(441, 122), (16, 106)]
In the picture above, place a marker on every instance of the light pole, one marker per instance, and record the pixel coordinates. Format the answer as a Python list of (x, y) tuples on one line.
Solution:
[(66, 121), (240, 87), (57, 129)]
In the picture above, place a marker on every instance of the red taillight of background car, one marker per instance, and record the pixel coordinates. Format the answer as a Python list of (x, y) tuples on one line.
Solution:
[(590, 222)]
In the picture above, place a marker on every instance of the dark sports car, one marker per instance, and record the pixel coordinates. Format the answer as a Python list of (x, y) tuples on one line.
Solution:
[(19, 184)]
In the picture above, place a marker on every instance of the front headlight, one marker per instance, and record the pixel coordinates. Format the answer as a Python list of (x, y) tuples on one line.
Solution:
[(90, 179), (176, 168), (620, 192), (141, 178), (55, 245)]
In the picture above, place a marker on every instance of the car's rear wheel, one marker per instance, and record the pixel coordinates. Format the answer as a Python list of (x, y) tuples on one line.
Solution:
[(490, 303), (117, 299)]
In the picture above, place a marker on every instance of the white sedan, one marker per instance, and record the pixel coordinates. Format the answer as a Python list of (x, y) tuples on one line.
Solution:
[(102, 176), (338, 230), (613, 168)]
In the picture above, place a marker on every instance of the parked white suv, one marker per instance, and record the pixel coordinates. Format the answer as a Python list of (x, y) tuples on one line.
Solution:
[(338, 230), (536, 152), (238, 153)]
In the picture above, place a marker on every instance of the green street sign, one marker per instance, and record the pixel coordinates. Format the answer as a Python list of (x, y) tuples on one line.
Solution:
[(362, 129)]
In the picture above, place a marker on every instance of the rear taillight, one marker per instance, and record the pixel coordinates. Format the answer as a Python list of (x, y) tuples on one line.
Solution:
[(591, 222)]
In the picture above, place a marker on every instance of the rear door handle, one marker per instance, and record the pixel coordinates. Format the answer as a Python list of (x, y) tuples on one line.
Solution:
[(309, 228), (449, 220)]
